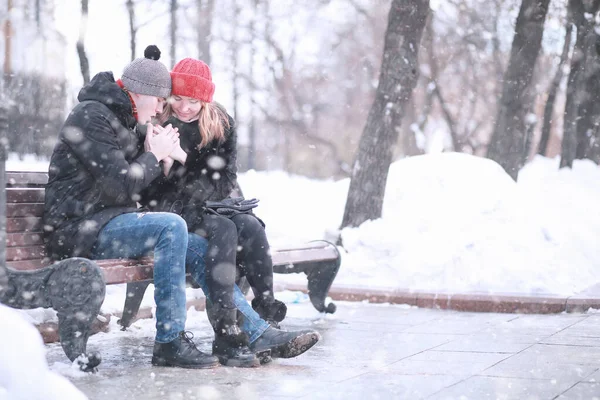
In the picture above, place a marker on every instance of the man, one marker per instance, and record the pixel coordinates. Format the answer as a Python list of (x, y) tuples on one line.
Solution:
[(99, 167)]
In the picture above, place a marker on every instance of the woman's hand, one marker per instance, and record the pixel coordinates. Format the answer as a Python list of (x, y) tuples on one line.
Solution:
[(167, 165), (179, 154)]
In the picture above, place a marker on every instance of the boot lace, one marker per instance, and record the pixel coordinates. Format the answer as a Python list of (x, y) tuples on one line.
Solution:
[(187, 337)]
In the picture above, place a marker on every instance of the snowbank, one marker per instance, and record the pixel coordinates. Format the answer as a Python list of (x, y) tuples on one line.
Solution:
[(24, 373), (451, 222)]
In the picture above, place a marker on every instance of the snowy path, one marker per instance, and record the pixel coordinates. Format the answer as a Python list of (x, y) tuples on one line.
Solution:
[(372, 351)]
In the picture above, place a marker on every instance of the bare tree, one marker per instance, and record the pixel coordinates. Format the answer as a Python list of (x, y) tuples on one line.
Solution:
[(38, 19), (7, 72), (84, 63), (234, 62), (588, 138), (569, 142), (508, 145), (554, 86), (397, 79), (252, 124), (173, 31), (205, 10), (132, 28)]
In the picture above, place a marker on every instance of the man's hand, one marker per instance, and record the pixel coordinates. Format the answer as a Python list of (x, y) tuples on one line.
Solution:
[(161, 141)]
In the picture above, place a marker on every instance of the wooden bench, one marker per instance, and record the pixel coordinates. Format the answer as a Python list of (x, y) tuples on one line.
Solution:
[(319, 260)]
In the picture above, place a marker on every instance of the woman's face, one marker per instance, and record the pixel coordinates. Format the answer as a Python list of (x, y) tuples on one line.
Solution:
[(186, 109)]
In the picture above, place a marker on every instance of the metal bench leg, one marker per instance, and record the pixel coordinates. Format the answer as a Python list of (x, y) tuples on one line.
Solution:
[(76, 290), (133, 300), (320, 277)]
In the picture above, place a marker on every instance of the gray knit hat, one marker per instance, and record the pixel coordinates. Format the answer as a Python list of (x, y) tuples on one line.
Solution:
[(148, 75)]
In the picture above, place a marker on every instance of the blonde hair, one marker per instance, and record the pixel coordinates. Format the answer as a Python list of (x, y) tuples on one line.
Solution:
[(212, 121)]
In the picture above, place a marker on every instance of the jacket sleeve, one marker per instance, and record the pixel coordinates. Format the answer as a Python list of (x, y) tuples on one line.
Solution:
[(93, 140)]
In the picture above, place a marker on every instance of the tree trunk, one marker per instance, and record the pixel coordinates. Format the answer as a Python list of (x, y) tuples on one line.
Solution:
[(554, 86), (569, 142), (252, 125), (589, 98), (205, 17), (397, 79), (234, 62), (83, 60), (132, 28), (173, 32), (38, 19), (7, 72), (508, 144)]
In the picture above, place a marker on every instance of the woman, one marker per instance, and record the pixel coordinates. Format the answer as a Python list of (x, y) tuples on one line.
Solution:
[(205, 170)]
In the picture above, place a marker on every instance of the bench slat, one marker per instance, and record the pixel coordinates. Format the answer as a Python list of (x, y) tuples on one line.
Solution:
[(318, 244), (24, 239), (25, 195), (283, 257), (25, 253), (24, 209), (28, 265), (113, 271), (26, 179), (126, 274), (24, 224)]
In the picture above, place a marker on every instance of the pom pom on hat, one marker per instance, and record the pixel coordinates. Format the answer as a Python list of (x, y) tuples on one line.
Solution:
[(152, 52)]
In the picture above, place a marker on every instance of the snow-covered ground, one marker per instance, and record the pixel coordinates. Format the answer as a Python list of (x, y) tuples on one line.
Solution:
[(451, 222), (24, 372)]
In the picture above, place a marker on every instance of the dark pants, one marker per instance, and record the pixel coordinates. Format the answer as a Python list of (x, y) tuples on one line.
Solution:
[(241, 241)]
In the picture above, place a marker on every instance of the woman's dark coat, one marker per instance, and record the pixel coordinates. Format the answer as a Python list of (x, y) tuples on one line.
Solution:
[(209, 173)]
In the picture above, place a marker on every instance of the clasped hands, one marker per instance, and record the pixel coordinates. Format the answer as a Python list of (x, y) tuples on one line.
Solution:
[(164, 143)]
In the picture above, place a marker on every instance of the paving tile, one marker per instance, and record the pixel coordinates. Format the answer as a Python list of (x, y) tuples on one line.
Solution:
[(518, 367), (419, 367), (561, 354), (483, 387), (448, 326), (446, 363), (570, 338), (594, 378), (582, 391), (485, 344), (464, 357), (385, 314), (387, 386)]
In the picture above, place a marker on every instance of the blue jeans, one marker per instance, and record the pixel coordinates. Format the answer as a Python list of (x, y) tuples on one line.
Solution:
[(135, 235)]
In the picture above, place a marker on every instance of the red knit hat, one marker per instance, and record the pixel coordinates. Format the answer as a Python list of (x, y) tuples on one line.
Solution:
[(192, 78)]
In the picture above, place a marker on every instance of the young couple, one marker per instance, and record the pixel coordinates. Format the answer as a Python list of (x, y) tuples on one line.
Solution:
[(110, 158)]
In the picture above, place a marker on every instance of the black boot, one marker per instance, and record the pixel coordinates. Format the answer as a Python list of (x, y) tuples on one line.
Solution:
[(285, 344), (182, 352), (271, 310), (231, 344)]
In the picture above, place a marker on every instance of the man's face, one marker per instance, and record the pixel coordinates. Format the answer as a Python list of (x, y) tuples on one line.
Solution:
[(147, 106)]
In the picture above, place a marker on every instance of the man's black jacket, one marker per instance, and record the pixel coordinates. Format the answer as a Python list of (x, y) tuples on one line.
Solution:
[(97, 169)]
